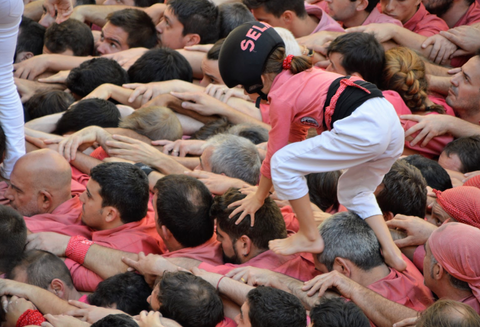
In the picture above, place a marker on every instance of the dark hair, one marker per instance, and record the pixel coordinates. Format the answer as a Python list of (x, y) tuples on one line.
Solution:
[(362, 54), (138, 25), (371, 5), (274, 63), (146, 3), (159, 65), (197, 17), (128, 291), (278, 7), (88, 112), (183, 205), (85, 78), (72, 35), (13, 233), (232, 15), (436, 177), (212, 128), (253, 132), (269, 226), (3, 143), (337, 312), (47, 102), (322, 189), (41, 268), (449, 313), (30, 37), (124, 187), (468, 151), (117, 320), (269, 306), (189, 300), (214, 51), (404, 191)]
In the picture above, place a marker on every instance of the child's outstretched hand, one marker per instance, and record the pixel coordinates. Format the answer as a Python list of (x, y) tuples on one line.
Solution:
[(249, 205)]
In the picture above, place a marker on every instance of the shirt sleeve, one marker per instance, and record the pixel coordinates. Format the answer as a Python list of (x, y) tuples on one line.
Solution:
[(84, 279)]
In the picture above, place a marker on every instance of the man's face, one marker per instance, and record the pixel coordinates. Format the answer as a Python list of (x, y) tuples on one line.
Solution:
[(205, 160), (335, 65), (341, 10), (402, 10), (153, 298), (170, 31), (451, 162), (262, 16), (22, 194), (438, 216), (92, 210), (464, 92), (67, 52), (211, 73), (242, 319), (113, 39), (428, 266), (228, 247)]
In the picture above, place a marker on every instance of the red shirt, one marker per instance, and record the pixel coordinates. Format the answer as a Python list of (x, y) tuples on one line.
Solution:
[(424, 23), (471, 16), (473, 302), (209, 252), (377, 17)]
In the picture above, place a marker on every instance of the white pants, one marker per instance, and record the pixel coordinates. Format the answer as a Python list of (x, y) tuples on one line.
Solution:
[(11, 110), (367, 143)]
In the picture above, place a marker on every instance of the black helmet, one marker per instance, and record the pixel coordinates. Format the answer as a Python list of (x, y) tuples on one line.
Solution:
[(244, 53)]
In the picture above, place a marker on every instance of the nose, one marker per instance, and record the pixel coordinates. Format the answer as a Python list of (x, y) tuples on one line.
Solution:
[(82, 197), (237, 319), (455, 79), (389, 6), (101, 48), (159, 26), (8, 193)]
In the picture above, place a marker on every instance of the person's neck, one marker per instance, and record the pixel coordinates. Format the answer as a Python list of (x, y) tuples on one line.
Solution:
[(73, 294), (373, 275), (470, 116), (254, 251), (452, 293), (173, 245), (60, 200), (453, 15), (357, 19), (304, 26)]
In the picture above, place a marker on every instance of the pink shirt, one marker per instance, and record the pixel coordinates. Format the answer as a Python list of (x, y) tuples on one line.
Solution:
[(471, 16), (377, 17), (405, 288), (295, 266), (296, 104), (326, 22), (473, 302), (424, 23), (209, 252)]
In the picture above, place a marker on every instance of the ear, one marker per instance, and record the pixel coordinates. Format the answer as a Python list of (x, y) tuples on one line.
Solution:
[(362, 4), (46, 199), (342, 266), (244, 245), (387, 215), (57, 287), (288, 17), (438, 271), (191, 39), (111, 214), (24, 56)]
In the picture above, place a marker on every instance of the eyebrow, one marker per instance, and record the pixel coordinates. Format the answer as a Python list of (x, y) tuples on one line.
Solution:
[(467, 77), (211, 77), (88, 192), (201, 163), (16, 188)]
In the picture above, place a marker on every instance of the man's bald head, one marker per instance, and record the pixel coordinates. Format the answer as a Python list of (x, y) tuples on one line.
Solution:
[(40, 181)]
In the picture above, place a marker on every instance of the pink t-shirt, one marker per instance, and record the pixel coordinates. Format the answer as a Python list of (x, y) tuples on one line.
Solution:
[(377, 17), (471, 16), (326, 22), (209, 252), (424, 23), (473, 302)]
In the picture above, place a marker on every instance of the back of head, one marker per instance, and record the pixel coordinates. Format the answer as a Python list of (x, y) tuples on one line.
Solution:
[(404, 191), (270, 224), (138, 25), (159, 65), (124, 187), (127, 291), (214, 51), (337, 312), (278, 7), (92, 73), (40, 268), (45, 103), (13, 236), (71, 35), (117, 320), (404, 73), (436, 177), (362, 54), (235, 157), (30, 39), (86, 113), (189, 300), (322, 188), (468, 151), (233, 15), (255, 133), (212, 128), (183, 205), (269, 306), (154, 122), (197, 17), (348, 236), (449, 313)]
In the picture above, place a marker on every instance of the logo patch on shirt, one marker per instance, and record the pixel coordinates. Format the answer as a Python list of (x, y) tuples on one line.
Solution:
[(309, 121)]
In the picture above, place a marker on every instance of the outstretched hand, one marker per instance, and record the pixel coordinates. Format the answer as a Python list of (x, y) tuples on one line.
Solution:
[(247, 206)]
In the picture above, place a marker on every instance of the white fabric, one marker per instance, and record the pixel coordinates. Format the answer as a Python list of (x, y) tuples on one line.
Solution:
[(11, 111), (367, 143)]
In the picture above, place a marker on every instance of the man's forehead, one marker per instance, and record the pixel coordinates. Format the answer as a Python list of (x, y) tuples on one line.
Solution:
[(472, 69)]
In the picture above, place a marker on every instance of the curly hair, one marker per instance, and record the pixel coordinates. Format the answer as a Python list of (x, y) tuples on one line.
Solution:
[(404, 73)]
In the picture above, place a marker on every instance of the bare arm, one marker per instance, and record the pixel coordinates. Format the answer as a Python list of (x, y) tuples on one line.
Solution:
[(106, 262), (95, 14)]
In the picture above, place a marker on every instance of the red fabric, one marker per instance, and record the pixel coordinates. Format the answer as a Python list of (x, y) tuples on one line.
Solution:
[(99, 154), (325, 23), (471, 16), (462, 204), (424, 23), (455, 246), (474, 181), (30, 317), (377, 17), (295, 266), (227, 322), (84, 299), (441, 101), (77, 248), (296, 104), (264, 110), (209, 252), (473, 302), (405, 288), (287, 62)]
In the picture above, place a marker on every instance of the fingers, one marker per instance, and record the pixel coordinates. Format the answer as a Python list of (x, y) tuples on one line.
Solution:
[(136, 93), (125, 139), (129, 262), (185, 96)]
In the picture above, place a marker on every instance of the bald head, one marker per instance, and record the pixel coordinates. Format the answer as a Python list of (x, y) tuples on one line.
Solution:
[(40, 181)]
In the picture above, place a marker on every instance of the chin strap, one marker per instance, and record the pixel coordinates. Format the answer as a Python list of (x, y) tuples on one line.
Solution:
[(263, 96)]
